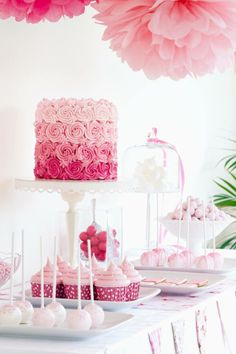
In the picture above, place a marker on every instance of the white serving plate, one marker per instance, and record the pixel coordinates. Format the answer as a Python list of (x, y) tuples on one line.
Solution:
[(228, 267), (213, 279), (111, 322), (144, 295)]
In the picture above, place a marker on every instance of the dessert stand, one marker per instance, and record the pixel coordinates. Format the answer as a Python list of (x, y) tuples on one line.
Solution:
[(72, 192)]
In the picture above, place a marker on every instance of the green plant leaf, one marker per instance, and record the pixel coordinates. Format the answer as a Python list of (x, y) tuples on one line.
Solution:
[(229, 160), (225, 189), (230, 185)]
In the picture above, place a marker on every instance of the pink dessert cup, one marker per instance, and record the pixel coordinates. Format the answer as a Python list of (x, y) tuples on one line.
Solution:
[(36, 290), (132, 292), (71, 292), (116, 294)]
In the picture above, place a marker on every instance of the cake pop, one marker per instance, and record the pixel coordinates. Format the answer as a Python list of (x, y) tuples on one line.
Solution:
[(176, 260), (57, 308), (95, 311), (216, 257), (187, 254), (43, 317), (204, 262), (149, 259), (79, 319), (25, 306), (161, 257), (10, 314)]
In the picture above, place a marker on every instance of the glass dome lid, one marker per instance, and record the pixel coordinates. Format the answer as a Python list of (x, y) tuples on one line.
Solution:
[(153, 167)]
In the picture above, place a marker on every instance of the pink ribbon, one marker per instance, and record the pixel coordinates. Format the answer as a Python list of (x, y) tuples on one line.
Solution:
[(155, 341)]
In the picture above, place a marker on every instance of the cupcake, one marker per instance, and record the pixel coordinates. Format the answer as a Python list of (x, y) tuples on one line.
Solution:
[(48, 282), (71, 283), (134, 277), (63, 268), (111, 285), (97, 269)]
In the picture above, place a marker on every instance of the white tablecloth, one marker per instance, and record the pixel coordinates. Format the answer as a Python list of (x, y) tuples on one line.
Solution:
[(160, 316)]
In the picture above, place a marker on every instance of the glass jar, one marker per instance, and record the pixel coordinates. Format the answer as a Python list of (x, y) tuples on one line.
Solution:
[(154, 167)]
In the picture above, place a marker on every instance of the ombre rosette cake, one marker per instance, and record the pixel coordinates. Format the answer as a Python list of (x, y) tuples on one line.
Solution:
[(48, 282), (132, 292), (71, 283), (111, 285), (76, 139)]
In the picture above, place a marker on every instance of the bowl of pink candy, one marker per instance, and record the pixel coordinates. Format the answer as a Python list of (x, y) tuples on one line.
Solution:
[(5, 266), (101, 241), (191, 220)]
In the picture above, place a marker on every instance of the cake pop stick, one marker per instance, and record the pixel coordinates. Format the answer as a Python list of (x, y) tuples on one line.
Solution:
[(57, 308), (148, 236), (12, 267), (158, 231), (204, 226), (216, 257), (24, 305), (188, 222), (43, 316), (95, 311), (180, 223), (187, 254)]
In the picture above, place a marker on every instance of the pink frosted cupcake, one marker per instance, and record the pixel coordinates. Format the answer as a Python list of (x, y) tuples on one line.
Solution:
[(134, 277), (97, 269), (111, 285), (63, 268), (71, 283), (48, 280)]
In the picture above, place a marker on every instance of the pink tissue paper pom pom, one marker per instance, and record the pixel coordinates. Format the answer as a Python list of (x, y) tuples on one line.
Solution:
[(173, 38), (33, 11)]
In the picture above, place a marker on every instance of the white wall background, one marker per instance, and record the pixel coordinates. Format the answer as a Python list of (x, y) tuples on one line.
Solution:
[(68, 59)]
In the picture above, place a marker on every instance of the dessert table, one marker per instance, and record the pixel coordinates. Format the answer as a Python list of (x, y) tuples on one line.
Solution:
[(201, 323)]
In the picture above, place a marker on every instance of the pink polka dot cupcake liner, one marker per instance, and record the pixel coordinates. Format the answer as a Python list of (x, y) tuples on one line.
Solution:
[(71, 292), (132, 291), (109, 294), (36, 290)]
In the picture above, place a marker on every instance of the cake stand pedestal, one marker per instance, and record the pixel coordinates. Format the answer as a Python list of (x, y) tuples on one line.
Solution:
[(72, 192)]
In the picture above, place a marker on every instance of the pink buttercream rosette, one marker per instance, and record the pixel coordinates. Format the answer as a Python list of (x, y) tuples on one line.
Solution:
[(33, 11), (172, 38)]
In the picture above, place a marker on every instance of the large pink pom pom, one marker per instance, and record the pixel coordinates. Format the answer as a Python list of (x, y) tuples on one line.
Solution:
[(171, 38), (34, 11)]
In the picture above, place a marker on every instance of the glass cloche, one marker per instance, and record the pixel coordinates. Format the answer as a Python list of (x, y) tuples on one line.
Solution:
[(154, 167)]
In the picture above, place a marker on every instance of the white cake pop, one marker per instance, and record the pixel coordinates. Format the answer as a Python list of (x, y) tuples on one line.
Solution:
[(161, 257), (25, 306), (79, 319), (95, 311), (43, 317), (10, 314), (57, 308), (204, 261)]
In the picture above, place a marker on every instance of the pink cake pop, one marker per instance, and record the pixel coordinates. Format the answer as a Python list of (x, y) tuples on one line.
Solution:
[(187, 254), (25, 306), (149, 259), (161, 257), (204, 262), (95, 311), (216, 257), (176, 260), (57, 308), (10, 314), (43, 317), (79, 319)]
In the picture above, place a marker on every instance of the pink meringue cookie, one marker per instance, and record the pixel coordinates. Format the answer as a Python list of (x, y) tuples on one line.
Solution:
[(149, 259), (204, 262), (218, 259), (176, 260), (161, 257)]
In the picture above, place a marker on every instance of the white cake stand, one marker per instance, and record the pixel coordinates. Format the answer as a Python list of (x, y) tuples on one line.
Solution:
[(72, 192)]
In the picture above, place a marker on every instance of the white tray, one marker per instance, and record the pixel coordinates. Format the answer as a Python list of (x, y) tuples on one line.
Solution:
[(145, 295), (111, 322), (213, 279), (228, 267)]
